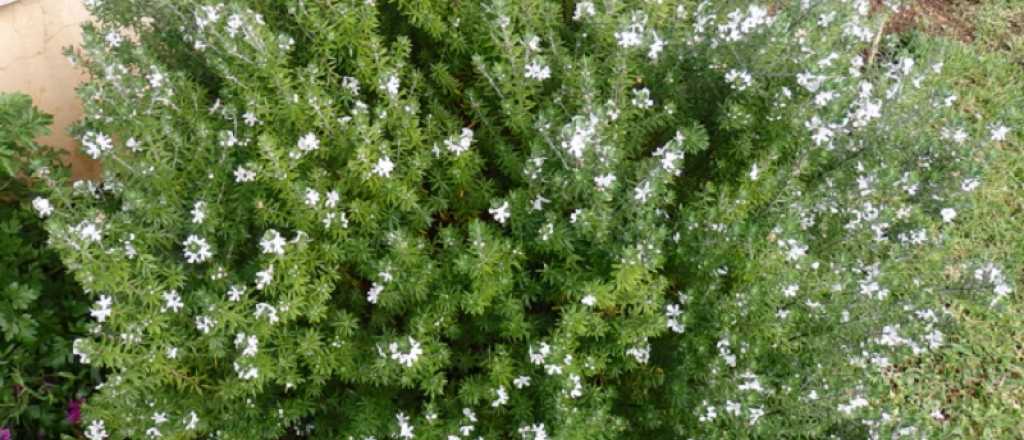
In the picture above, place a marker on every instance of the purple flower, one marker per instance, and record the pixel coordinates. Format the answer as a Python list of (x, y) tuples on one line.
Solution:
[(74, 412), (5, 434)]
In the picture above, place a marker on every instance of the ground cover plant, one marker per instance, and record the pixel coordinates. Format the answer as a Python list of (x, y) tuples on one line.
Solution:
[(41, 309), (533, 219)]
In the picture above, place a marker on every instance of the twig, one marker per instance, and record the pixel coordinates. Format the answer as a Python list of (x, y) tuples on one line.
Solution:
[(877, 40)]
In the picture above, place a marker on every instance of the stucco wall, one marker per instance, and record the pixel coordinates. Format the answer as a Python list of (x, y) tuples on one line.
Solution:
[(33, 34)]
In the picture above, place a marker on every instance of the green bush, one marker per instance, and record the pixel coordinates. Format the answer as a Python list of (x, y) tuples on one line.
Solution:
[(521, 219), (41, 309)]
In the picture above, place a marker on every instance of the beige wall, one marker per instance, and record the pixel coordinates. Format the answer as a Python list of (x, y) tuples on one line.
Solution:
[(33, 34)]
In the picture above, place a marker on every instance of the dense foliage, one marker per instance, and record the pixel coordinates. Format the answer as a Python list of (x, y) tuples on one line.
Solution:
[(535, 219), (41, 309)]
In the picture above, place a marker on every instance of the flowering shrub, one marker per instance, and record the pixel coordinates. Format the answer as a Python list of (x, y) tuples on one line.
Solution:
[(517, 219), (41, 309)]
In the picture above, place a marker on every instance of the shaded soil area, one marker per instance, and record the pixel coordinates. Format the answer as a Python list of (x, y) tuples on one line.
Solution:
[(937, 17)]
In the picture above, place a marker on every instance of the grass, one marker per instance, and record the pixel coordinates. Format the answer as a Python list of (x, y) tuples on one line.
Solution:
[(974, 387)]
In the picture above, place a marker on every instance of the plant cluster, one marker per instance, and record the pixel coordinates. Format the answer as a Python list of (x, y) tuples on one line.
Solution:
[(521, 219), (41, 309)]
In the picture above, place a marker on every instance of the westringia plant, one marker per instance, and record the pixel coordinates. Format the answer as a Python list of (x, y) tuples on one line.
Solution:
[(514, 219)]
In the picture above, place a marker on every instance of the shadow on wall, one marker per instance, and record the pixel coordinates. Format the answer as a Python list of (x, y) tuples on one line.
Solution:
[(33, 34)]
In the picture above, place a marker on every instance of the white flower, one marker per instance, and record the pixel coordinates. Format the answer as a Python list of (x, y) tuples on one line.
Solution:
[(855, 403), (739, 79), (822, 135), (76, 350), (159, 418), (272, 242), (999, 133), (669, 157), (384, 167), (791, 290), (156, 79), (351, 84), (537, 429), (97, 430), (657, 45), (935, 339), (234, 24), (959, 136), (577, 386), (235, 293), (675, 325), (583, 132), (374, 293), (823, 98), (171, 352), (604, 182), (948, 214), (750, 383), (264, 277), (332, 199), (172, 301), (632, 35), (589, 300), (755, 415), (502, 397), (243, 175), (308, 143), (672, 314), (584, 9), (312, 197), (794, 250), (642, 98), (101, 311), (191, 420), (268, 310), (95, 144), (133, 145), (538, 203), (246, 373), (641, 353), (810, 81), (575, 215), (536, 70), (521, 382), (404, 428), (391, 85), (205, 323), (228, 139), (330, 217), (42, 206), (406, 359), (754, 172), (732, 407), (460, 144), (251, 343), (628, 38), (250, 119), (538, 357), (970, 184), (197, 250), (199, 212), (501, 213), (207, 15), (710, 413), (114, 39), (642, 192)]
